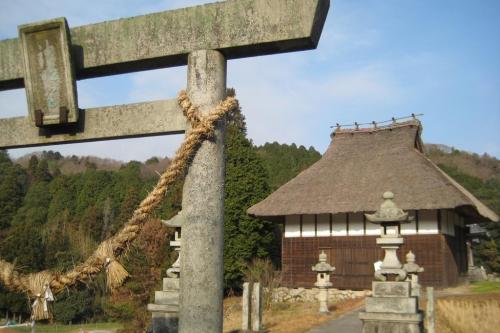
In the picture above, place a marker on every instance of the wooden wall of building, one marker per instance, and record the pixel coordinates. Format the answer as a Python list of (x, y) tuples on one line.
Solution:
[(442, 256)]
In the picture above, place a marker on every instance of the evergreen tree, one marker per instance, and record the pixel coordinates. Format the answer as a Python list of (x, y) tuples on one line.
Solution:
[(245, 237), (283, 162), (24, 246), (487, 254), (24, 242), (39, 169), (13, 302), (33, 165), (12, 189), (58, 252), (75, 305)]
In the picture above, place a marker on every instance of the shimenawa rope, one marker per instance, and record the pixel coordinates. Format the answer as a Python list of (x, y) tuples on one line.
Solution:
[(41, 286)]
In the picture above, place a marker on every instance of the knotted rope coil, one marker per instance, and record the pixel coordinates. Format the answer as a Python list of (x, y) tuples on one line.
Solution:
[(39, 285)]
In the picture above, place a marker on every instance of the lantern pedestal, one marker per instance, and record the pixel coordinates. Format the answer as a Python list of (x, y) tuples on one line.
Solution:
[(391, 264)]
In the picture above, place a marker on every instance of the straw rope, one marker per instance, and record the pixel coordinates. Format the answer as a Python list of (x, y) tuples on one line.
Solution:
[(34, 284)]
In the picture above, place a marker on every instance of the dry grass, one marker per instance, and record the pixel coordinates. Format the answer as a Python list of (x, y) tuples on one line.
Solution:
[(468, 313), (262, 270), (287, 317), (465, 306)]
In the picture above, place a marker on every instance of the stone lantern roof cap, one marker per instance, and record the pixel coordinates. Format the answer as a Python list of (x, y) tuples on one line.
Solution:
[(388, 212), (322, 265)]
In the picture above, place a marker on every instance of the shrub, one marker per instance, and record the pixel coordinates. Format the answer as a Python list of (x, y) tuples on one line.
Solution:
[(262, 270)]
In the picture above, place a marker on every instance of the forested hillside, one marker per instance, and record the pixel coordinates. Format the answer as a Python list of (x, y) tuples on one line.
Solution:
[(59, 221), (54, 210), (481, 176), (283, 162), (482, 166)]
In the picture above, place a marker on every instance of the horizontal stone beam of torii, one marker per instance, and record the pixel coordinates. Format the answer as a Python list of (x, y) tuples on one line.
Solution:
[(204, 38), (238, 29), (242, 28)]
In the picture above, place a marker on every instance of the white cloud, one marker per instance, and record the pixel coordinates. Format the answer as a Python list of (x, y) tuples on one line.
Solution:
[(275, 101), (286, 103), (369, 85)]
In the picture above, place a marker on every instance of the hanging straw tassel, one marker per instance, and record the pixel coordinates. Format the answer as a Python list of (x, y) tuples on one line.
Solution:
[(115, 273), (39, 285)]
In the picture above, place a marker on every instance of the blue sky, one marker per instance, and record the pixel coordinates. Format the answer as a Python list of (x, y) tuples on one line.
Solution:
[(376, 59)]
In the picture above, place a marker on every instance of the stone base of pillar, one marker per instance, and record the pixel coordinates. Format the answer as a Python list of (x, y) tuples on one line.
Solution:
[(476, 274), (391, 322), (391, 309), (165, 322), (165, 310)]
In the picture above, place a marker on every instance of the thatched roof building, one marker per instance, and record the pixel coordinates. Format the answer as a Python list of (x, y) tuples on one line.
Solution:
[(322, 208), (359, 166)]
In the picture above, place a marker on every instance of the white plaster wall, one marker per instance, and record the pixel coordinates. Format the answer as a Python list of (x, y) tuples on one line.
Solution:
[(319, 225), (339, 225), (308, 226), (372, 229), (427, 222), (323, 225), (410, 228), (392, 230), (292, 226), (356, 227)]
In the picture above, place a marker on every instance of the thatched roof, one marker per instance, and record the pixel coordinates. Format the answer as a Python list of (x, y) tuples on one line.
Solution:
[(359, 166)]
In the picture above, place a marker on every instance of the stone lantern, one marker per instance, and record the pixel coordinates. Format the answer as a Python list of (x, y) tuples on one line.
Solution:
[(323, 270), (165, 309), (389, 217), (412, 269), (175, 270), (393, 306)]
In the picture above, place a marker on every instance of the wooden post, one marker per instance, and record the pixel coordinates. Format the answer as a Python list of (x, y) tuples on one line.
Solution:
[(256, 308), (430, 312), (245, 307), (202, 261)]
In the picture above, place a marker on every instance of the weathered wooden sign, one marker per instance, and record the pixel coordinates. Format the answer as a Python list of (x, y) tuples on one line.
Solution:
[(48, 72)]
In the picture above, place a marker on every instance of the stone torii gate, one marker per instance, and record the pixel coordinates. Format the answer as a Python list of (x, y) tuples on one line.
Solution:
[(48, 58)]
